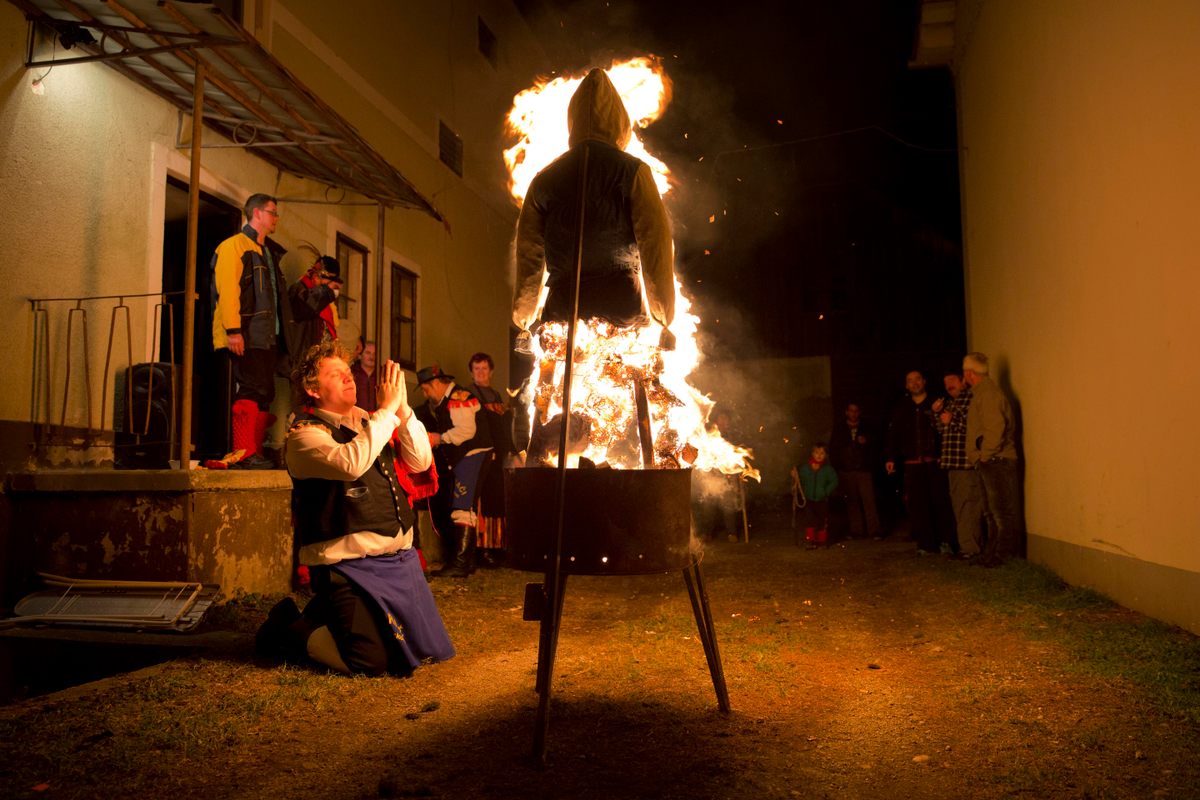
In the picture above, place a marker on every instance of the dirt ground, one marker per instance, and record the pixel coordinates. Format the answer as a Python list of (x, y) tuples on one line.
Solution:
[(861, 671)]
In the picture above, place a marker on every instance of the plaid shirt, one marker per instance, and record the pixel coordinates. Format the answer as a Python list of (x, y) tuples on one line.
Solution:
[(954, 434)]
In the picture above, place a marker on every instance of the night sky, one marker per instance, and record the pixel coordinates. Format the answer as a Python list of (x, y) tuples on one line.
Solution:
[(828, 164)]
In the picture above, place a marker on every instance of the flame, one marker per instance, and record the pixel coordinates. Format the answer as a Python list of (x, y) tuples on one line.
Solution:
[(609, 362), (538, 120)]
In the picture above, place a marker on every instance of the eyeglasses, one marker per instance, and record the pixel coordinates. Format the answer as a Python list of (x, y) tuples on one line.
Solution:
[(269, 211)]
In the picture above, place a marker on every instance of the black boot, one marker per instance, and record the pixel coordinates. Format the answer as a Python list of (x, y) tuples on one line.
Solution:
[(467, 557), (460, 561), (275, 639)]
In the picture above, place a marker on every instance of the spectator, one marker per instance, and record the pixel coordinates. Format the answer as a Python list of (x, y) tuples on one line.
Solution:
[(314, 315), (364, 376), (992, 450), (461, 446), (372, 611), (966, 495), (853, 450), (249, 321), (912, 443), (498, 417), (817, 480)]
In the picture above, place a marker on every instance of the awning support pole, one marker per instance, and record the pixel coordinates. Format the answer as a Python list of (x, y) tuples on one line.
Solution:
[(189, 280), (379, 259)]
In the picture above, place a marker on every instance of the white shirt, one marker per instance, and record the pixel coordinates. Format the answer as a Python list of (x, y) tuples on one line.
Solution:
[(312, 452)]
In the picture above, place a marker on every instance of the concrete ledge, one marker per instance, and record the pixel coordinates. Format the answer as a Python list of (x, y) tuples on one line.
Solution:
[(148, 480), (1166, 593), (231, 528)]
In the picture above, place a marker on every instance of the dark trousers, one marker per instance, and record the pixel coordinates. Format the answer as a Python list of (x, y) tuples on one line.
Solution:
[(927, 497), (254, 376), (858, 487), (1002, 506), (357, 624)]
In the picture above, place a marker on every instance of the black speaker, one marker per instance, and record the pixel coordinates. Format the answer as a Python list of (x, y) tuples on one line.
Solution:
[(143, 428)]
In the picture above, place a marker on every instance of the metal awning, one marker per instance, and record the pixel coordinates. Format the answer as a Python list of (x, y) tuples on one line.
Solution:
[(249, 97)]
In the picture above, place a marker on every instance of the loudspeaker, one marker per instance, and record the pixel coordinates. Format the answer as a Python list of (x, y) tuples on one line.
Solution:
[(143, 429)]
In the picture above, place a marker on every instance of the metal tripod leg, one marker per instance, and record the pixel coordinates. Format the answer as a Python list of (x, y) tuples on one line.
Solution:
[(708, 634), (547, 647)]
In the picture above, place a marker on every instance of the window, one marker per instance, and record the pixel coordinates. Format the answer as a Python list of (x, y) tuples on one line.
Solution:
[(352, 301), (404, 317), (450, 148), (487, 42)]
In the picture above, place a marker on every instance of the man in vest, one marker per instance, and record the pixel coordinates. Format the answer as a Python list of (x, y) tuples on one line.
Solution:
[(372, 611), (462, 446)]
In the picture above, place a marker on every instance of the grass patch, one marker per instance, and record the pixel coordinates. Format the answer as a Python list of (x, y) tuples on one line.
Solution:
[(1102, 638)]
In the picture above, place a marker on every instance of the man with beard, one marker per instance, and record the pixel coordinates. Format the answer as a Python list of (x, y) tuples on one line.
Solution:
[(912, 442)]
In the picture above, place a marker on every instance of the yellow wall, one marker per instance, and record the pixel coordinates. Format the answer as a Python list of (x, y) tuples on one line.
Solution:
[(83, 169), (1079, 126), (394, 79)]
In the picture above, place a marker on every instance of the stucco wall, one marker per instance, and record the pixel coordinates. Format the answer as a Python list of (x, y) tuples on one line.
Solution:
[(84, 166), (419, 64), (1078, 126)]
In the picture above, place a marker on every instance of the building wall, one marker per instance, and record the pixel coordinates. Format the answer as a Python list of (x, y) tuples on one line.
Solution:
[(413, 65), (1078, 131), (84, 167)]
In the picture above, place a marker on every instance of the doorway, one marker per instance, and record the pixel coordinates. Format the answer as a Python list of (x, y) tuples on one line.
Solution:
[(211, 380)]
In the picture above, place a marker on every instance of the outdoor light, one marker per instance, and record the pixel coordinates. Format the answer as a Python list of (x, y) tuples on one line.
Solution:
[(72, 33)]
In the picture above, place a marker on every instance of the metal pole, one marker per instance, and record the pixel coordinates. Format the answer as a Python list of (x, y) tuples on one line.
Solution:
[(189, 278), (379, 244), (554, 583)]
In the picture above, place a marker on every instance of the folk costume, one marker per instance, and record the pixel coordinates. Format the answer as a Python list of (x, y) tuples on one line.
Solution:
[(373, 611), (464, 451)]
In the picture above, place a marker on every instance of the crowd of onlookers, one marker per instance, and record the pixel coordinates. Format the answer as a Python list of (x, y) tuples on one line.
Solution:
[(951, 456)]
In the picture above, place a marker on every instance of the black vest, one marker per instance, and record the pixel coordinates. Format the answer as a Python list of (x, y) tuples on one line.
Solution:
[(328, 509), (437, 419)]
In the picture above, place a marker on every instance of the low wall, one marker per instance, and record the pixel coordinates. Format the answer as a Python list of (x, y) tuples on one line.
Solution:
[(231, 528), (1166, 593)]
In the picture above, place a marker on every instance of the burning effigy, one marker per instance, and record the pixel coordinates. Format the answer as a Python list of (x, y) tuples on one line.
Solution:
[(613, 342), (592, 206)]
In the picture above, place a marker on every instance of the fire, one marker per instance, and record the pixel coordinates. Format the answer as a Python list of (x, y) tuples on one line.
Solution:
[(610, 362), (538, 120)]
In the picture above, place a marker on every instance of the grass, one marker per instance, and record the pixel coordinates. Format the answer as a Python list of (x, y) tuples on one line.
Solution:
[(1101, 639), (173, 721)]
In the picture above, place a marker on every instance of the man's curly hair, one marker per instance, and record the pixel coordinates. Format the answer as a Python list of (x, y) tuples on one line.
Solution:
[(306, 373)]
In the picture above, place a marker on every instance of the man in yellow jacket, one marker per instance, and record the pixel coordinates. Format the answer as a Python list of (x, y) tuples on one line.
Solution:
[(248, 320)]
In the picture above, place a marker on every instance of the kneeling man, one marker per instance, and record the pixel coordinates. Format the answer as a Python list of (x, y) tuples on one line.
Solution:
[(372, 611)]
